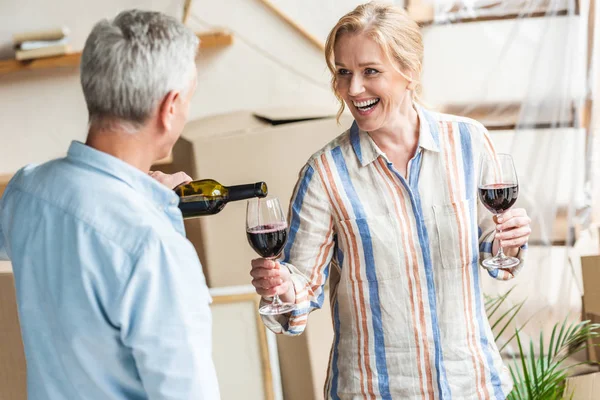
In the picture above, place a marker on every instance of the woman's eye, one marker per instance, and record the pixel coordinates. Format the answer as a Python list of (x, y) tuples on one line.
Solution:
[(343, 72), (371, 71)]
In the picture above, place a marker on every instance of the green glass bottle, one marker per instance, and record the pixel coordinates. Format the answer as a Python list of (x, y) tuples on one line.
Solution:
[(208, 197)]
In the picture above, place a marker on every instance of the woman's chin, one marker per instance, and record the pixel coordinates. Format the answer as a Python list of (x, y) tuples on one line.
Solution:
[(366, 125)]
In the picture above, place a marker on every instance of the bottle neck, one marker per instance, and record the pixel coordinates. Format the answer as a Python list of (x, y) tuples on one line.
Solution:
[(242, 192)]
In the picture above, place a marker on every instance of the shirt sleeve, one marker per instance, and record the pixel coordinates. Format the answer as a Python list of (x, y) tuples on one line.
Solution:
[(308, 252), (487, 226), (166, 322), (3, 253)]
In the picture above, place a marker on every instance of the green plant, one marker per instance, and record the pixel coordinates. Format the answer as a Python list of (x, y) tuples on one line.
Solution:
[(541, 376), (502, 323)]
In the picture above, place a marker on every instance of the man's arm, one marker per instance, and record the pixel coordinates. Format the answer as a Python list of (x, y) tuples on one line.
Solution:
[(166, 321)]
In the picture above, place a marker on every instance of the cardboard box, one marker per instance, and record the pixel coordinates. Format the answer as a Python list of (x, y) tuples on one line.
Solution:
[(590, 272), (303, 359), (4, 179), (13, 369), (246, 147), (583, 387)]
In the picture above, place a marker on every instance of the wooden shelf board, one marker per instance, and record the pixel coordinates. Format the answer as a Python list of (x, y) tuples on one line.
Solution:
[(207, 40), (506, 116), (423, 12)]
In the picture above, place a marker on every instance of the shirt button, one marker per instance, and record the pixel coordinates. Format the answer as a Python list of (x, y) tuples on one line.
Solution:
[(174, 202)]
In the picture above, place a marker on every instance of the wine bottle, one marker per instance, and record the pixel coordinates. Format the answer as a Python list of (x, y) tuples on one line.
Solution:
[(207, 196)]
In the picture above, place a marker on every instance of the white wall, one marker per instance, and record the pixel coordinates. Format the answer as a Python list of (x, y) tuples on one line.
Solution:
[(530, 59), (268, 65)]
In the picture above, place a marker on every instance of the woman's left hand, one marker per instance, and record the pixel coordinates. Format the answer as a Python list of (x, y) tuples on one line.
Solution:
[(512, 230)]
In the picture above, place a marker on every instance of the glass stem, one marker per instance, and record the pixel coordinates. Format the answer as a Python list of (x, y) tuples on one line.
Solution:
[(276, 301), (500, 251)]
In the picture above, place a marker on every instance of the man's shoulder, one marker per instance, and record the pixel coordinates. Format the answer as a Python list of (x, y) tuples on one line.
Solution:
[(105, 205)]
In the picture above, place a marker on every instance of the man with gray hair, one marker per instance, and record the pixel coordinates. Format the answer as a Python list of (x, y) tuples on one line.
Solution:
[(111, 296)]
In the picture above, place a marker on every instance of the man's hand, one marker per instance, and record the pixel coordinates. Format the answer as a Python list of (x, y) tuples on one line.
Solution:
[(171, 180)]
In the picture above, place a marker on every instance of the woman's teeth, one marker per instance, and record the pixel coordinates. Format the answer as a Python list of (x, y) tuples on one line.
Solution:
[(366, 105)]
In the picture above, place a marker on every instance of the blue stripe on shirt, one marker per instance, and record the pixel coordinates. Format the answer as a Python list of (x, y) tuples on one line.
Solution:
[(296, 208), (321, 297), (413, 190), (469, 168), (485, 247), (365, 235), (433, 126), (355, 140), (334, 360)]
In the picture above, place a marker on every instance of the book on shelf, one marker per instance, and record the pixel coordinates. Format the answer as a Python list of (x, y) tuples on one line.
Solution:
[(37, 44), (41, 35), (50, 51)]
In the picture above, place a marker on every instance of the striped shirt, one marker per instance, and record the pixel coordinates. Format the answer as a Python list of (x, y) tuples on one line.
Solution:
[(402, 258)]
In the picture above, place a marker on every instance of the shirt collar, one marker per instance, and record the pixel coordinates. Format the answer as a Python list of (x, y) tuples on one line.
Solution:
[(367, 151), (136, 179), (428, 129)]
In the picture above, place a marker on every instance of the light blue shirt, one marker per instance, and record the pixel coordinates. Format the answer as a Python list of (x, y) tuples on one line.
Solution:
[(112, 300)]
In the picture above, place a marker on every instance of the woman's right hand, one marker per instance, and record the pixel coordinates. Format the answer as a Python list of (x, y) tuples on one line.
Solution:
[(270, 278)]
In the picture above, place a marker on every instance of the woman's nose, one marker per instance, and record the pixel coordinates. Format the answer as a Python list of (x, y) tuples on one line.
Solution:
[(356, 86)]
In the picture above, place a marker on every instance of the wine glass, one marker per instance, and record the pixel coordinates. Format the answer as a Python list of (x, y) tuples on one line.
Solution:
[(266, 230), (498, 191)]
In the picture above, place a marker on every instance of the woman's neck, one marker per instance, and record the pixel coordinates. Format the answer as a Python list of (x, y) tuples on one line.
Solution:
[(402, 133)]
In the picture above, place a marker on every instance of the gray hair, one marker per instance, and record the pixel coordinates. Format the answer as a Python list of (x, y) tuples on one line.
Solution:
[(130, 63)]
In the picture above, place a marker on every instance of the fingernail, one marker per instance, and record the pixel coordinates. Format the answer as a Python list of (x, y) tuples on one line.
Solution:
[(500, 219)]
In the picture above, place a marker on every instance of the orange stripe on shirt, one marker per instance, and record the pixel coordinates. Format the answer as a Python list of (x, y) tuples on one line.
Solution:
[(319, 266), (355, 265), (418, 286), (417, 336), (453, 178)]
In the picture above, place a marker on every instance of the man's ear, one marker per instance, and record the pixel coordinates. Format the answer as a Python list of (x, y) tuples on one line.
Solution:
[(167, 109)]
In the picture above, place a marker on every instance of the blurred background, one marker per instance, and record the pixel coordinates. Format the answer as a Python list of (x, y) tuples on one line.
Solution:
[(526, 69)]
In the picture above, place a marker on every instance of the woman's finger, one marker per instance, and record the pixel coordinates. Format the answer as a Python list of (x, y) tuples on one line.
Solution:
[(264, 263), (514, 222), (272, 291), (515, 233), (265, 273), (507, 244)]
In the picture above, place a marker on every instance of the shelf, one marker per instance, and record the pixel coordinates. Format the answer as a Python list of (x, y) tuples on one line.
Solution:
[(423, 12), (207, 40), (507, 116)]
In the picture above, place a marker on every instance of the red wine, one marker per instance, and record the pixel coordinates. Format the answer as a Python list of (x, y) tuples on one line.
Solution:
[(498, 197), (268, 240)]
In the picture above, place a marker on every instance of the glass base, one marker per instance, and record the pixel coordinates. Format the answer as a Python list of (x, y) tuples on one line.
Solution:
[(500, 262), (276, 309)]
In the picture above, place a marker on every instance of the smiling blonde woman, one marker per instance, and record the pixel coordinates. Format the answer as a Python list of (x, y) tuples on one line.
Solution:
[(388, 212)]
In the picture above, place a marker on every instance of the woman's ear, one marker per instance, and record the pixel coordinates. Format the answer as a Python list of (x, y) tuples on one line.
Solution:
[(412, 84)]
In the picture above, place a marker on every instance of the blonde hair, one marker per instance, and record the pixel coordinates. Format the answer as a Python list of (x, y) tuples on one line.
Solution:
[(389, 26)]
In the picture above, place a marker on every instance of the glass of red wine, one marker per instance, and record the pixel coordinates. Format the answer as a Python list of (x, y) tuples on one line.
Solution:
[(266, 230), (498, 191)]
